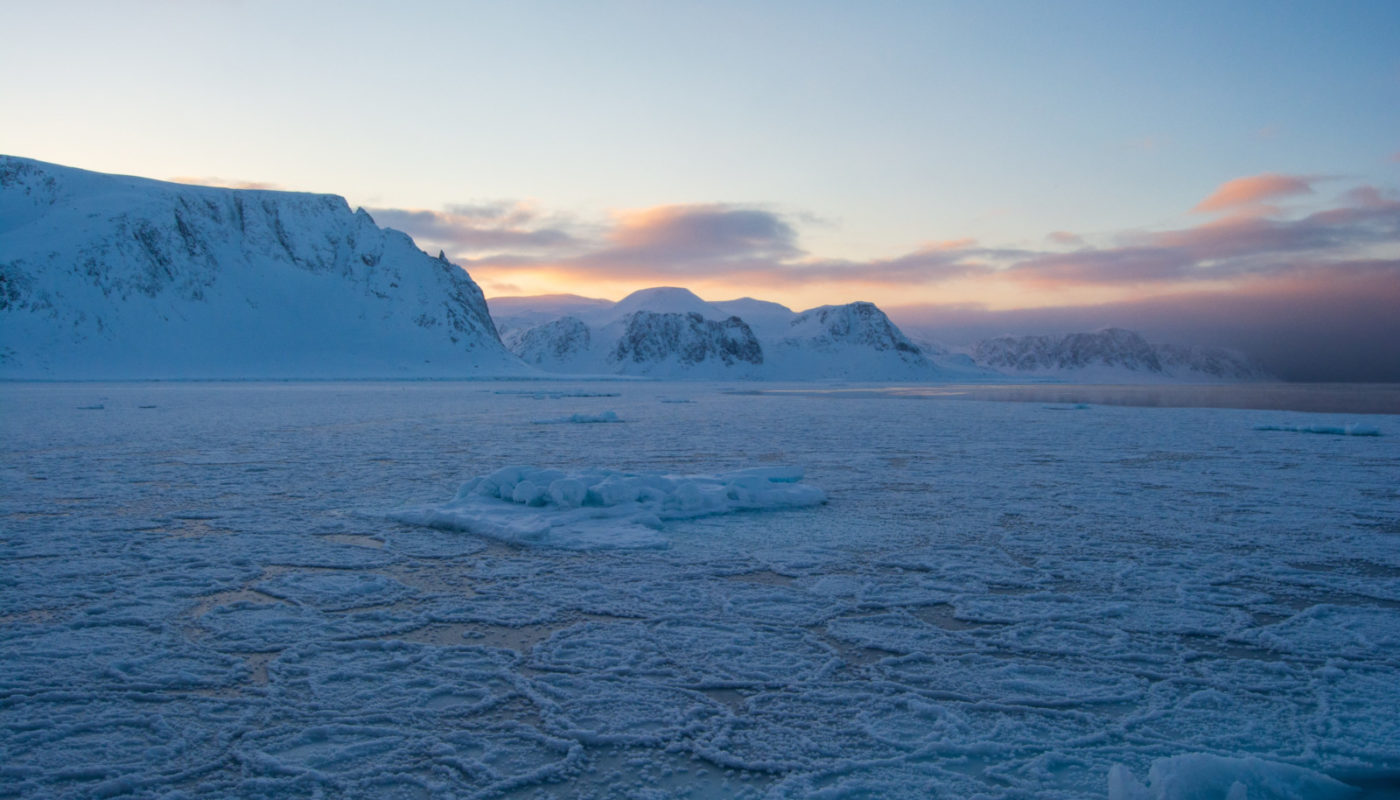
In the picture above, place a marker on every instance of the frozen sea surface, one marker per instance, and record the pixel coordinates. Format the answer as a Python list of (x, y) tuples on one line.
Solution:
[(208, 591)]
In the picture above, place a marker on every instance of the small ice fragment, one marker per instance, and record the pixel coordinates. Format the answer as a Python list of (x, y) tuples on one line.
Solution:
[(1201, 775), (581, 419), (603, 508), (1355, 429)]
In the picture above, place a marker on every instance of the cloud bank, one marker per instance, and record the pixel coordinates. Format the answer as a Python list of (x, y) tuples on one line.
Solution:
[(1256, 254)]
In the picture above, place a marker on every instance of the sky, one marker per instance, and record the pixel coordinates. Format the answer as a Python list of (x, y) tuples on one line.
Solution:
[(1213, 173)]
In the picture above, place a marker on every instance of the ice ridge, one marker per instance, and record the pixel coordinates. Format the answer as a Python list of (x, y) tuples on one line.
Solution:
[(606, 509)]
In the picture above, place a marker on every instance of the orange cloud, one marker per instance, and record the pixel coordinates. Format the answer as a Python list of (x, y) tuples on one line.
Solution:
[(730, 249), (1253, 191)]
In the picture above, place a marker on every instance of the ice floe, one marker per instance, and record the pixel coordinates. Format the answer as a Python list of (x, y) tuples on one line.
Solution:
[(1355, 429), (604, 508)]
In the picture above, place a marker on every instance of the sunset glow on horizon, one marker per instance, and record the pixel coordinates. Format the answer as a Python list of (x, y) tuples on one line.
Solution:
[(1017, 156)]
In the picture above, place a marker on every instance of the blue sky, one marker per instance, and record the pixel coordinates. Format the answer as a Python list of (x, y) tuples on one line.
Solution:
[(827, 141)]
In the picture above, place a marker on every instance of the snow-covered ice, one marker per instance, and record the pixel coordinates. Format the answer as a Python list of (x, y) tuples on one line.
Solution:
[(276, 590)]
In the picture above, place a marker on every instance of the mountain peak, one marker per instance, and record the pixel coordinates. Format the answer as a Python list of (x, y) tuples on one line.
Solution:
[(663, 300)]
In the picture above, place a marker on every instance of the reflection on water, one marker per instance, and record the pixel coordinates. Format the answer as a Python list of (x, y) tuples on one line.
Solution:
[(1340, 398)]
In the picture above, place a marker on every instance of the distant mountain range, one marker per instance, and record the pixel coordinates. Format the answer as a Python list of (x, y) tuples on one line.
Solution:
[(115, 277), (1112, 354), (107, 276), (670, 332)]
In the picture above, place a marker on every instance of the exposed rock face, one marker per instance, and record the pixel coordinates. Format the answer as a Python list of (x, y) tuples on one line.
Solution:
[(106, 276), (550, 344), (1213, 362), (1113, 347), (859, 324), (687, 339)]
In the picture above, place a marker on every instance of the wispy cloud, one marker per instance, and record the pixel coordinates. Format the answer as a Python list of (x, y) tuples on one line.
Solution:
[(1228, 248), (697, 235), (1065, 239), (1253, 191), (717, 243), (720, 243), (504, 226), (228, 183)]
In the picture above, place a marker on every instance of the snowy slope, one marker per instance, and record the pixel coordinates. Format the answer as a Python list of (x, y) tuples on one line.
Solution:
[(768, 320), (1112, 355), (106, 276), (659, 300), (671, 332), (854, 341), (511, 313)]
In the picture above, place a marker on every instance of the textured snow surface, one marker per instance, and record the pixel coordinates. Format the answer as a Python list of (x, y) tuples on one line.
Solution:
[(601, 508), (201, 596)]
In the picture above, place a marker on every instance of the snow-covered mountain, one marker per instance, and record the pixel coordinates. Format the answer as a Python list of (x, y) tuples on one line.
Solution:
[(854, 341), (107, 276), (1112, 355), (670, 332)]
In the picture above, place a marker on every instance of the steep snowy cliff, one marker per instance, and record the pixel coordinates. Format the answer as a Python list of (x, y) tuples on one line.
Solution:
[(107, 276)]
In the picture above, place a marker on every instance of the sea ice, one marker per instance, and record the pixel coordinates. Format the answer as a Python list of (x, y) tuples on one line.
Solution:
[(334, 591), (206, 600)]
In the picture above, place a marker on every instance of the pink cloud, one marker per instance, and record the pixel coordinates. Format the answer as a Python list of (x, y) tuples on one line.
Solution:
[(1253, 191), (1065, 239), (1325, 322), (226, 183), (720, 243), (1232, 247), (699, 233)]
